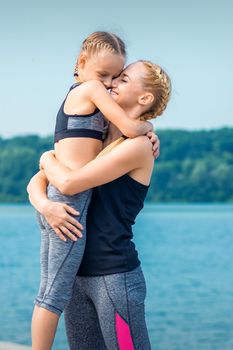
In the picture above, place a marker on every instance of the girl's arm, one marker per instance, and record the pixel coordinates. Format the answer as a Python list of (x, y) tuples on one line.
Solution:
[(95, 92), (129, 155), (58, 215), (155, 142)]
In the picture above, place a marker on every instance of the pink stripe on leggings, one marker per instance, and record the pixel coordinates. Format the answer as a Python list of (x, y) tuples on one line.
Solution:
[(123, 334)]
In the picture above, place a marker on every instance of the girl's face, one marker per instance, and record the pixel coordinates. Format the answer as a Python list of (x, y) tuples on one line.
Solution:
[(128, 87), (104, 66)]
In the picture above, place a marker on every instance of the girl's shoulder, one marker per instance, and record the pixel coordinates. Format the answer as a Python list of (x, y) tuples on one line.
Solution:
[(88, 87), (91, 84)]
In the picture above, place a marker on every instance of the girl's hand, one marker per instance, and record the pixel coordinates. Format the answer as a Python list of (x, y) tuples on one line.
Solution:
[(155, 142), (60, 218), (45, 157)]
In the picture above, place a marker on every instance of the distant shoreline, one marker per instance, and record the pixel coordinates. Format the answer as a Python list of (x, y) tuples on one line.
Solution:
[(158, 129), (193, 166)]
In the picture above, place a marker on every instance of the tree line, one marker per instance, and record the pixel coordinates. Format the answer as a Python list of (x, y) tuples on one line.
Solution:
[(194, 166)]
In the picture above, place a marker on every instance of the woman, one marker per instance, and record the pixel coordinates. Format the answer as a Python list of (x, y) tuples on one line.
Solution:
[(107, 308)]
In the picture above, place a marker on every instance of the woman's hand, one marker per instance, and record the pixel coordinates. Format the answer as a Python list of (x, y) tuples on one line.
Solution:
[(155, 142), (46, 156), (59, 216)]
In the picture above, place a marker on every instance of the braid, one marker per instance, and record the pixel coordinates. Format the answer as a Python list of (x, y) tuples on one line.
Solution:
[(158, 82), (98, 41), (111, 146)]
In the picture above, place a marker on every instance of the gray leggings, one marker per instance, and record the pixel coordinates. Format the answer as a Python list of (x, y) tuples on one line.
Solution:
[(60, 260), (107, 313)]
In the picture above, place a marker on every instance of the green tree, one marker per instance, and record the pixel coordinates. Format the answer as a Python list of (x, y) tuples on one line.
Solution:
[(194, 166)]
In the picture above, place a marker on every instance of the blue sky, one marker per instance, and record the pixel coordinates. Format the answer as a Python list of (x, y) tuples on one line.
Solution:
[(192, 40)]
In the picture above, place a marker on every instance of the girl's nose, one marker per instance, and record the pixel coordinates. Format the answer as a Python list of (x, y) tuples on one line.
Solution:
[(114, 82), (107, 83)]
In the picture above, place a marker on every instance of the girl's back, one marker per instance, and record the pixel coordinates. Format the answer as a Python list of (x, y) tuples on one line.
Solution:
[(79, 130)]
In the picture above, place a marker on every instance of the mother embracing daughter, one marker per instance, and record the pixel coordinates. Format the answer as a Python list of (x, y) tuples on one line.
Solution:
[(106, 308)]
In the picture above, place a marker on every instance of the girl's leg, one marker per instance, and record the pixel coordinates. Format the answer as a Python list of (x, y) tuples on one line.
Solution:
[(44, 325), (44, 252), (64, 259), (119, 301), (63, 262), (35, 311), (81, 320), (44, 256)]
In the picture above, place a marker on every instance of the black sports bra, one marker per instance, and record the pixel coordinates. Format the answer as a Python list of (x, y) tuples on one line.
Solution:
[(89, 125)]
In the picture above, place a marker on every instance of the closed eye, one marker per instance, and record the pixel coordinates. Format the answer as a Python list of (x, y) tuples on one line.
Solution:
[(124, 78), (103, 75)]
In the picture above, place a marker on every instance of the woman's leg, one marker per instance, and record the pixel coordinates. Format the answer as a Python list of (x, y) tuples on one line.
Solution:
[(81, 320), (119, 301)]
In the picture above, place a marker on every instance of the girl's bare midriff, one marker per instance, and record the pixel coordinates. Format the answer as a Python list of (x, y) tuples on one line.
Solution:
[(76, 152)]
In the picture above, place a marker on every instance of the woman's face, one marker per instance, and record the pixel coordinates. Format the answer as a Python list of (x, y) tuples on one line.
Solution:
[(127, 88)]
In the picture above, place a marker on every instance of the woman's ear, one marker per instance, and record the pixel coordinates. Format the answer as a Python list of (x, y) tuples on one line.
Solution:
[(146, 99), (82, 60)]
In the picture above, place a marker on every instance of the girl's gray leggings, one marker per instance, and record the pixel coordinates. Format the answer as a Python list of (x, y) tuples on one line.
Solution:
[(60, 260), (107, 313)]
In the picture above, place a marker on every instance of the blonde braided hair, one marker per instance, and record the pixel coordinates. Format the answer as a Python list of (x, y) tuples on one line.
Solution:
[(98, 41), (110, 147), (158, 83)]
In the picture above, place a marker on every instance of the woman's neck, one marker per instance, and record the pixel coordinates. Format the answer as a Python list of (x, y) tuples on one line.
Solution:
[(113, 134)]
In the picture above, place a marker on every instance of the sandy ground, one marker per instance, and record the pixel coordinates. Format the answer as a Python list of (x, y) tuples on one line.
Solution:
[(11, 346)]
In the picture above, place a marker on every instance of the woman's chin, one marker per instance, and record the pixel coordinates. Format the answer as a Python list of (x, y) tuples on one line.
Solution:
[(114, 95)]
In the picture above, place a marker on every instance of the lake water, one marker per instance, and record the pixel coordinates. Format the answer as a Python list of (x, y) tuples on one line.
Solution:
[(187, 258)]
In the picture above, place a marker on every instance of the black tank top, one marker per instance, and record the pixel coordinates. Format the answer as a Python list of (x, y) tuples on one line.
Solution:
[(111, 214), (91, 125)]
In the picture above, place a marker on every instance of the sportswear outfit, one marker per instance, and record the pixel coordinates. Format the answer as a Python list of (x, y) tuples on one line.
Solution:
[(104, 304), (107, 310), (60, 260)]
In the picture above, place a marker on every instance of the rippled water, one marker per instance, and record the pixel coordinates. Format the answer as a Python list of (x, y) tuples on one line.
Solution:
[(187, 258)]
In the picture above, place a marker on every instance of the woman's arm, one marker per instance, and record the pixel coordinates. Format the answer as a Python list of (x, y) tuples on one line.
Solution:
[(129, 155), (58, 215), (39, 199), (95, 92)]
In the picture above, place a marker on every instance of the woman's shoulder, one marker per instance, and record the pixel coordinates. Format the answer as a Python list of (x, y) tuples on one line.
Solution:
[(142, 142), (139, 146)]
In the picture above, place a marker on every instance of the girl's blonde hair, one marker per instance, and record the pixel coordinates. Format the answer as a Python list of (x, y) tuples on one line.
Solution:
[(101, 41), (158, 83)]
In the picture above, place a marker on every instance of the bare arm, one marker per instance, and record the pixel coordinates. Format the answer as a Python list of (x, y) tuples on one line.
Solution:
[(95, 92), (155, 142), (59, 215), (39, 198), (107, 168)]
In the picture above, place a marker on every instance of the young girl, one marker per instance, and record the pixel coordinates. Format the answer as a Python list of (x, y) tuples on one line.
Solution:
[(107, 307), (78, 139)]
